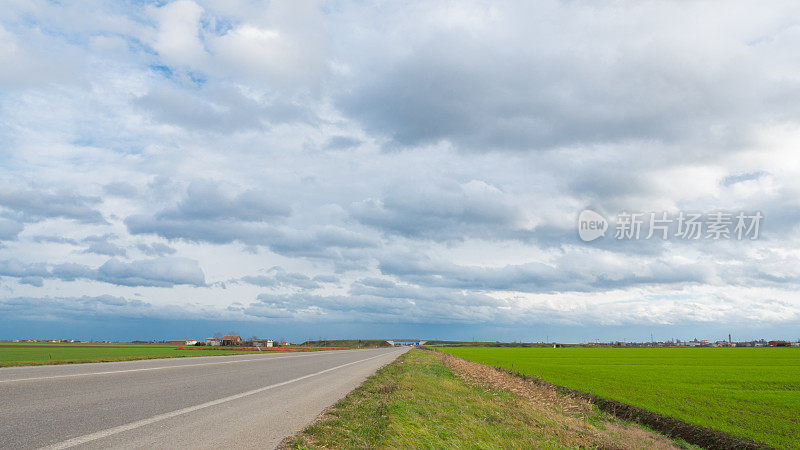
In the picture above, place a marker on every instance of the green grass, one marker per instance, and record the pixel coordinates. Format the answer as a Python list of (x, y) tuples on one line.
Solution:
[(38, 354), (418, 402), (751, 393)]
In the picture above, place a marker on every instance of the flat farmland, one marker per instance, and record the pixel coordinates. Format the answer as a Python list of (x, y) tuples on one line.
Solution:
[(752, 393), (27, 354)]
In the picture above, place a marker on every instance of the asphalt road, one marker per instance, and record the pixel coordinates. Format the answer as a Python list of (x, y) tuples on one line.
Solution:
[(244, 401)]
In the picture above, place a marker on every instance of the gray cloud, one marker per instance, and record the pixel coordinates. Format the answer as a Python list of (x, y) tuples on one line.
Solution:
[(189, 110), (106, 248), (324, 241), (32, 206), (216, 232), (342, 143), (72, 272), (9, 229), (60, 308), (121, 189), (555, 76), (567, 273), (206, 200), (155, 249), (278, 277), (14, 268), (32, 281), (441, 211), (102, 245), (368, 301), (326, 279), (158, 272), (207, 213), (54, 240)]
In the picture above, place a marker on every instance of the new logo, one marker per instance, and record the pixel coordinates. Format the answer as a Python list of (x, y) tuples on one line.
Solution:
[(591, 225)]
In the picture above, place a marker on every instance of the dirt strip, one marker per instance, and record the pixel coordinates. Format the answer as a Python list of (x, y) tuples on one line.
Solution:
[(669, 426)]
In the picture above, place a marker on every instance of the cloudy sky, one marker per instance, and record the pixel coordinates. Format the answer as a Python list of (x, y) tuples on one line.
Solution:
[(394, 169)]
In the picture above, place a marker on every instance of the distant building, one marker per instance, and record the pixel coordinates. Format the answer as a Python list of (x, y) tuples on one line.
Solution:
[(231, 340), (213, 342), (694, 343), (779, 344), (181, 342), (263, 342)]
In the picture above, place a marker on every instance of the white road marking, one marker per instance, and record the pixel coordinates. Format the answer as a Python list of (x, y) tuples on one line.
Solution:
[(159, 368), (140, 423)]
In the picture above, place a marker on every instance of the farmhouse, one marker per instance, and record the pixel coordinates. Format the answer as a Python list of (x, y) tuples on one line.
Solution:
[(213, 342), (263, 342), (231, 340)]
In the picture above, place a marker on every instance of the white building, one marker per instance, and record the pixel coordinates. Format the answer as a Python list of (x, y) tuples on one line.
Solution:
[(263, 342), (213, 342)]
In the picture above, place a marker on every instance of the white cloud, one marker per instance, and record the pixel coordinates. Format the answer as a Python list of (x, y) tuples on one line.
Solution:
[(177, 39)]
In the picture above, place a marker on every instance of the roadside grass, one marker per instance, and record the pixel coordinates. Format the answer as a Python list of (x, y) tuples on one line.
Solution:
[(751, 393), (418, 401), (33, 355)]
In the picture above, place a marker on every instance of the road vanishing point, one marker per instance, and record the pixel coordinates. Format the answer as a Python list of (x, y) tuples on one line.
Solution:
[(242, 401)]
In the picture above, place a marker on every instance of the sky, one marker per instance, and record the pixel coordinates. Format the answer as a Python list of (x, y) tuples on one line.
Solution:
[(416, 169)]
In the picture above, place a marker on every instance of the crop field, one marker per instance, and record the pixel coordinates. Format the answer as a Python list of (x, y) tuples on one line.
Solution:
[(26, 354), (751, 393)]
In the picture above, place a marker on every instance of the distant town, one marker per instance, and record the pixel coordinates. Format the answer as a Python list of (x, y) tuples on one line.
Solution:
[(238, 341), (216, 341), (705, 343)]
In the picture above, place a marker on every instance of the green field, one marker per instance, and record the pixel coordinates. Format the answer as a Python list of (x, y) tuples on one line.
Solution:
[(26, 354), (752, 393)]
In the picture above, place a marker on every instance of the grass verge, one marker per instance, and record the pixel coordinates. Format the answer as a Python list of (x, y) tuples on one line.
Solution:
[(430, 400)]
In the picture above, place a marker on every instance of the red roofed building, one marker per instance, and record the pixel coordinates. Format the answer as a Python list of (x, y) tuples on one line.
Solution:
[(231, 340)]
